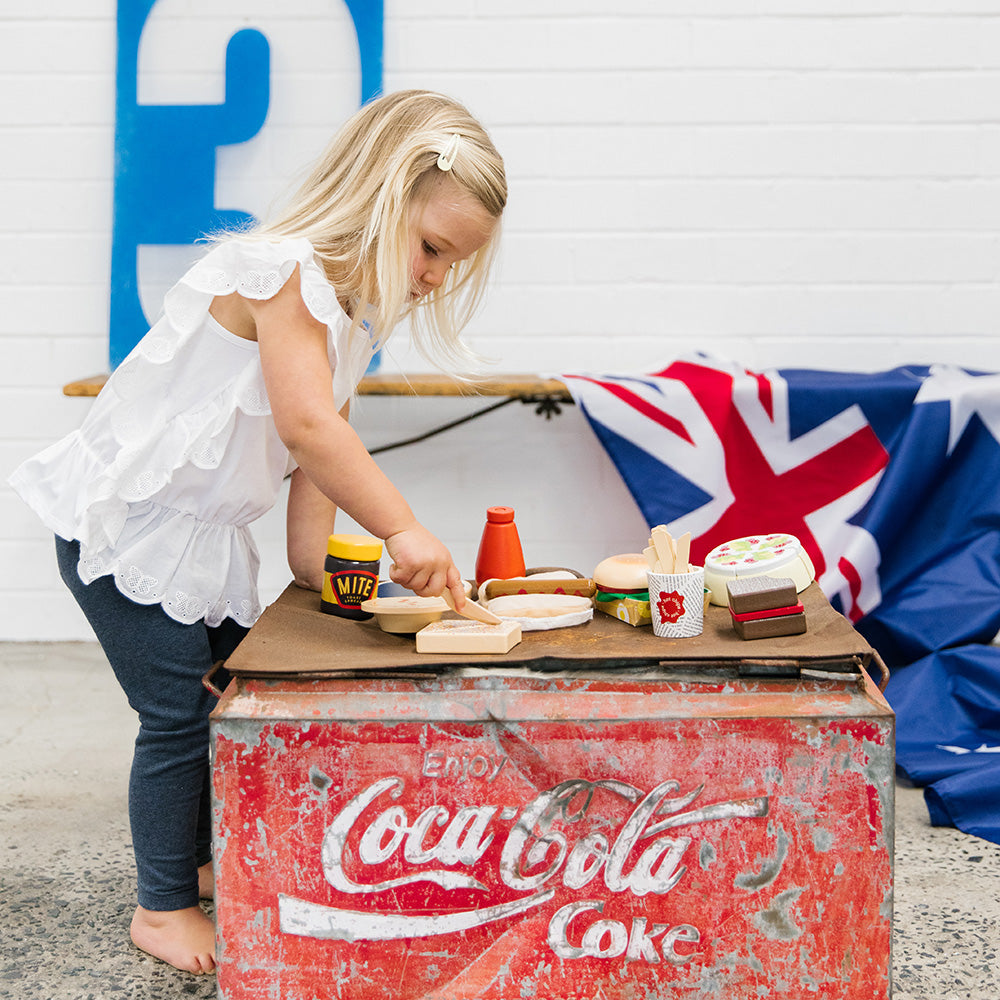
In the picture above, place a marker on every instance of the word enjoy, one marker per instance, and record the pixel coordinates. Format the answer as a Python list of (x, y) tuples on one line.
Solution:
[(440, 765)]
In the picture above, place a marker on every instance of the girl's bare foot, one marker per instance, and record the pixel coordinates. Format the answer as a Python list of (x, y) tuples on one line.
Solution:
[(183, 938), (206, 881)]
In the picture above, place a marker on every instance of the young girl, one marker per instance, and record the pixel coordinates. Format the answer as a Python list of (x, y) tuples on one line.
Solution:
[(245, 379)]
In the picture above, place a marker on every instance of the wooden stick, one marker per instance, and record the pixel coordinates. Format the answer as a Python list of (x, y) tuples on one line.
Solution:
[(664, 546), (684, 553)]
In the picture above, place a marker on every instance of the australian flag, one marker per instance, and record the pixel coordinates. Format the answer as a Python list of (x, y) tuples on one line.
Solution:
[(891, 481)]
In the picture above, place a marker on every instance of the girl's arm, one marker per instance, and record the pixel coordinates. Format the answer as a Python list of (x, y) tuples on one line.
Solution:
[(309, 524), (328, 451)]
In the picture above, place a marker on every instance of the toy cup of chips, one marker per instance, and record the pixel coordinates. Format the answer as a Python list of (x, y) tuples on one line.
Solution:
[(677, 603)]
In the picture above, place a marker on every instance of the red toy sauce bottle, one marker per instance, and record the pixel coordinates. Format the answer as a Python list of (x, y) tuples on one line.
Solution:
[(500, 556)]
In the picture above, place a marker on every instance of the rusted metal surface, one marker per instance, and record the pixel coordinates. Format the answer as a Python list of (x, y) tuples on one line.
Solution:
[(522, 836)]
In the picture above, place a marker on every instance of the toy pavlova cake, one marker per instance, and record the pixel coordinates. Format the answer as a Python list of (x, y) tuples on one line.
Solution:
[(772, 554)]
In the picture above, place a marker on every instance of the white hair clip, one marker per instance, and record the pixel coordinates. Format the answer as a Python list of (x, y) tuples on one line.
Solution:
[(447, 159)]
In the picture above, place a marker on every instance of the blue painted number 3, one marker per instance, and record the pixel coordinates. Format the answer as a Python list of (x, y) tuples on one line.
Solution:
[(165, 155)]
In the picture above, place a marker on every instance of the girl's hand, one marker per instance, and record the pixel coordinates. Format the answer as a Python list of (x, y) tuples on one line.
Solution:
[(423, 564)]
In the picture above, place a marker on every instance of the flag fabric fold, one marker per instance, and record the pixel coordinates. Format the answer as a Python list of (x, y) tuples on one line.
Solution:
[(891, 481)]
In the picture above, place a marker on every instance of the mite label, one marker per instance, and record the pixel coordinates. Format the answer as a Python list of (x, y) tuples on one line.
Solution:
[(348, 589)]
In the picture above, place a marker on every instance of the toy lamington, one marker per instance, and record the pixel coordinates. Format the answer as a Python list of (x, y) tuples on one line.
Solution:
[(763, 607)]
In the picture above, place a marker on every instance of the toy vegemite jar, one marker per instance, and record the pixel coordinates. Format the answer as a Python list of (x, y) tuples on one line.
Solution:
[(350, 575)]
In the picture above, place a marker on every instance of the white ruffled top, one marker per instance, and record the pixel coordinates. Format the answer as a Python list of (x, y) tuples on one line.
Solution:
[(179, 453)]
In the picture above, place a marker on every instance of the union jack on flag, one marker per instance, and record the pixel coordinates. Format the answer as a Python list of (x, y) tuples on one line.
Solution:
[(890, 480)]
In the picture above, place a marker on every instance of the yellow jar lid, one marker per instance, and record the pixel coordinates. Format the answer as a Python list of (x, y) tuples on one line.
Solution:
[(360, 548)]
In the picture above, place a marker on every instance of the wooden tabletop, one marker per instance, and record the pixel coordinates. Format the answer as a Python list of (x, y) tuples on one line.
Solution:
[(293, 637)]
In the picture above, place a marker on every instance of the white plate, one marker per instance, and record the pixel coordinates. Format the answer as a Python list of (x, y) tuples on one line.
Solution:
[(405, 614), (397, 609), (538, 612)]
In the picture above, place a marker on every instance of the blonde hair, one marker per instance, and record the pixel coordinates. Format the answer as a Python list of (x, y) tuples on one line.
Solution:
[(354, 207)]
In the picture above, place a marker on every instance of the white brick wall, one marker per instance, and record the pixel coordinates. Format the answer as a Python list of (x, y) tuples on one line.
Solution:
[(779, 182)]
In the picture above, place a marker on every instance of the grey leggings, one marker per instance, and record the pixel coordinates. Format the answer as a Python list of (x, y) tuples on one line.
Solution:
[(159, 664)]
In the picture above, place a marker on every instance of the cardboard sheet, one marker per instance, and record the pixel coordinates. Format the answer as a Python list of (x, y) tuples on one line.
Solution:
[(293, 637)]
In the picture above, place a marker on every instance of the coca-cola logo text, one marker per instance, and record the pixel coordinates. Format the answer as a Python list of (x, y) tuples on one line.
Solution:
[(442, 844)]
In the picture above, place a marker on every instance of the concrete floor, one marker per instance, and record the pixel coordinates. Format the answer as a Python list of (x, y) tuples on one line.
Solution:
[(66, 868)]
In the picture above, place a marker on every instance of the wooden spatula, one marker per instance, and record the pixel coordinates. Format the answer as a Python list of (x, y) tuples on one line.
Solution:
[(471, 610)]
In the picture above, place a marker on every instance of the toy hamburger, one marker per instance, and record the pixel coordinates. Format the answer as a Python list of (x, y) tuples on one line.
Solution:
[(622, 588)]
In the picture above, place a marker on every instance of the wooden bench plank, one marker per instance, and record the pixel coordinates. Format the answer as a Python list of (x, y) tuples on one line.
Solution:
[(521, 386)]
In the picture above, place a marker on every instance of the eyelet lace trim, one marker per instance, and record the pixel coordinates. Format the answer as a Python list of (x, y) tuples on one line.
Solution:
[(145, 588)]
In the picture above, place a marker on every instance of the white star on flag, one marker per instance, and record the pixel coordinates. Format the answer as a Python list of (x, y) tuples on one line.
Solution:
[(967, 394)]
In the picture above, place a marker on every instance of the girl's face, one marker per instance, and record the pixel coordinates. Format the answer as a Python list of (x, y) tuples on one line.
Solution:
[(448, 226)]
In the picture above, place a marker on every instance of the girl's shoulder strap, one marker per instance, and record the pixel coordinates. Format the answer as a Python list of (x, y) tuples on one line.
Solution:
[(256, 269)]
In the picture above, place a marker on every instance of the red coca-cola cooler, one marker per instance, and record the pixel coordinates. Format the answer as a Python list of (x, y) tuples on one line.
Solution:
[(600, 813)]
